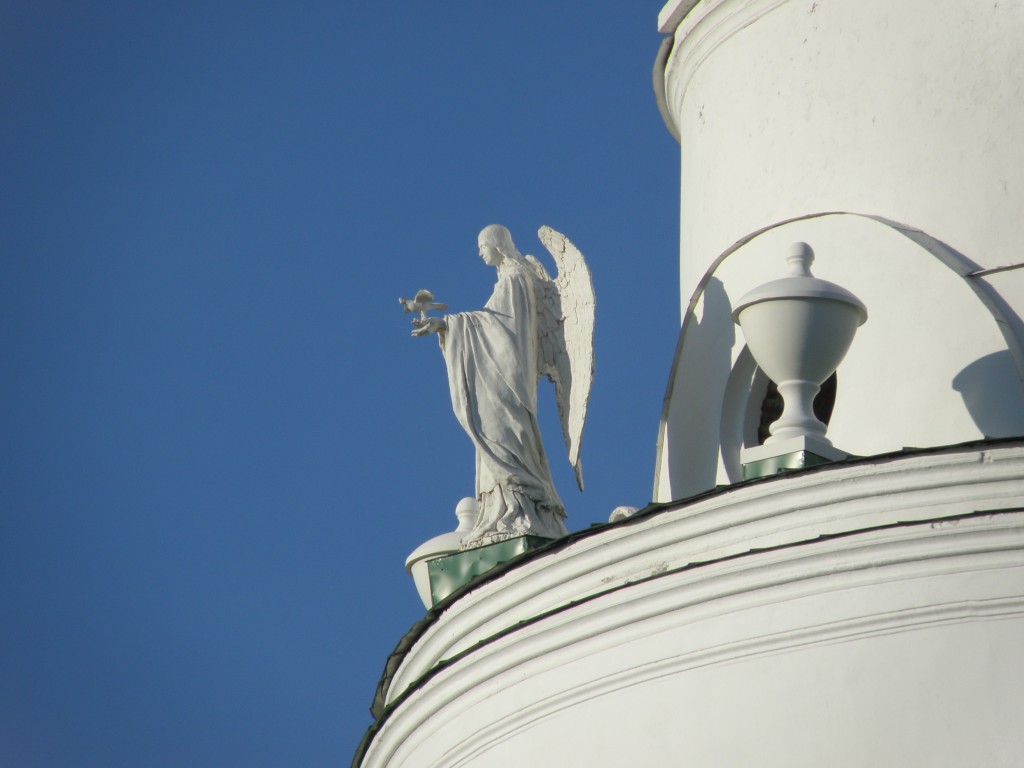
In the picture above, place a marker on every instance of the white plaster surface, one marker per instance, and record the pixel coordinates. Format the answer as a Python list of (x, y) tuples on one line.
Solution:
[(908, 111), (930, 367), (884, 646)]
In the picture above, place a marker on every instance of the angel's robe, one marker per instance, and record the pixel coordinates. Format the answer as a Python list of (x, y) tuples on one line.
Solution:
[(491, 357)]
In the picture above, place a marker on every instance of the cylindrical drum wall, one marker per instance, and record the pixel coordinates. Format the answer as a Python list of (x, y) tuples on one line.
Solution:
[(912, 110), (908, 115)]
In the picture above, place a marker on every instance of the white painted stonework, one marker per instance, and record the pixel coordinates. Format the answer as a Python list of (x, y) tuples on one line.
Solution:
[(857, 615), (908, 115), (798, 329)]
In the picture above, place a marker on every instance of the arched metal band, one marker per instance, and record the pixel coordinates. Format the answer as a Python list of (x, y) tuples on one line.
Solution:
[(964, 267)]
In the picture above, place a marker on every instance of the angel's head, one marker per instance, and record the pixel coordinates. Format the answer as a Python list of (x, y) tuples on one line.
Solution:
[(496, 245)]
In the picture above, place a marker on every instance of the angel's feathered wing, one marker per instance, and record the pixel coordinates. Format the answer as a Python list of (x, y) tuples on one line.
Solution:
[(566, 336)]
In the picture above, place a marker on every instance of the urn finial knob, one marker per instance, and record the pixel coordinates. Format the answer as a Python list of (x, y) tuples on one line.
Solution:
[(800, 258)]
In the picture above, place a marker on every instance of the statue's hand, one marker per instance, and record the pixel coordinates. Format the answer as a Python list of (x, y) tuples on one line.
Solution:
[(429, 325)]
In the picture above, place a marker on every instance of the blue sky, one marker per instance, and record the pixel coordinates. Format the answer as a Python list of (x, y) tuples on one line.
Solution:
[(218, 442)]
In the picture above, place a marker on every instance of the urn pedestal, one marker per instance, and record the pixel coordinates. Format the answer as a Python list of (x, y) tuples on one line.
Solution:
[(417, 564)]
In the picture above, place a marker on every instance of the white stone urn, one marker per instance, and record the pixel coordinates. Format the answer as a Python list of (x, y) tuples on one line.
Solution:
[(799, 329)]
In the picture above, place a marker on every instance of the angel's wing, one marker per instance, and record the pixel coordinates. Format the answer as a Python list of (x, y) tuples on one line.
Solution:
[(566, 336)]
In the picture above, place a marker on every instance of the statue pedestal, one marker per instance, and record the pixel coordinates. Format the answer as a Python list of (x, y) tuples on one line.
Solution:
[(450, 572), (417, 564), (789, 453)]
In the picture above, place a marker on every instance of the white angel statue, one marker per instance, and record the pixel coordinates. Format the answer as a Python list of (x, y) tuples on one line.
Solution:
[(531, 325)]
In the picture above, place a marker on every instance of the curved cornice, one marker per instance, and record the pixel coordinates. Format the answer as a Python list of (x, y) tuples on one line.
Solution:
[(658, 82), (700, 32), (674, 12), (388, 690), (788, 509), (703, 605)]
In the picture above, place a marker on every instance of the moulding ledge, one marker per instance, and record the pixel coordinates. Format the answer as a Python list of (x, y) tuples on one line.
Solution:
[(673, 13), (772, 513), (706, 26), (705, 611)]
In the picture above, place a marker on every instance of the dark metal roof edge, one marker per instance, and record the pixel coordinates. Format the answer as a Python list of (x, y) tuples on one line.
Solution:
[(382, 711)]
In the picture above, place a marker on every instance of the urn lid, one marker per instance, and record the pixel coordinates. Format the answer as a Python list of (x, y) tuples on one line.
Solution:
[(800, 284)]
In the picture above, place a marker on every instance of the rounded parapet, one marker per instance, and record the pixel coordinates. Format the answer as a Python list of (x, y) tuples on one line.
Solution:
[(670, 632)]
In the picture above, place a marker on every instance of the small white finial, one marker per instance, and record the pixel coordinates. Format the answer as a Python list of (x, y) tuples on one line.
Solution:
[(467, 510), (800, 258)]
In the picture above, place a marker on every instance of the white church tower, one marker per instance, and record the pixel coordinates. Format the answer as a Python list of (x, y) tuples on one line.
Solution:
[(839, 584), (887, 136)]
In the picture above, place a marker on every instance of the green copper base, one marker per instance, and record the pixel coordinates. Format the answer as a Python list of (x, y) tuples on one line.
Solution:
[(775, 464), (450, 572)]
